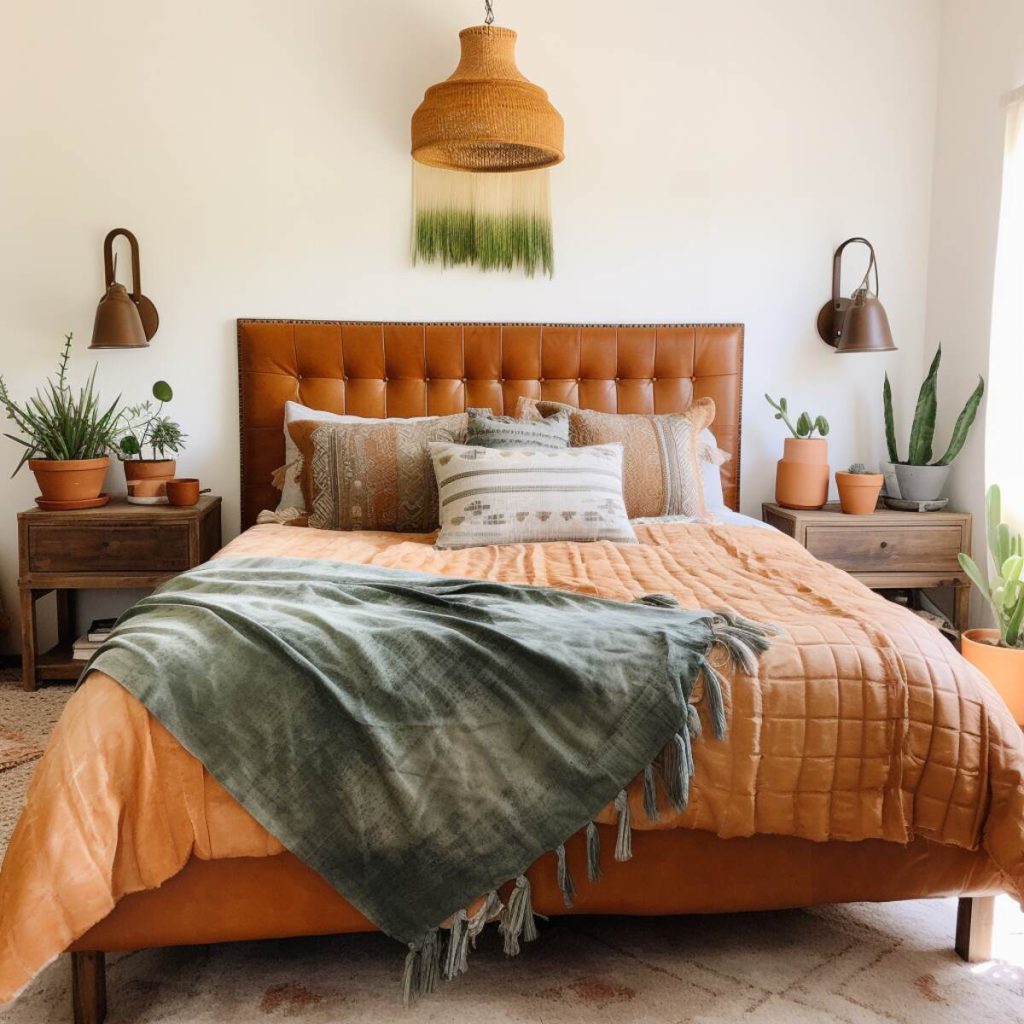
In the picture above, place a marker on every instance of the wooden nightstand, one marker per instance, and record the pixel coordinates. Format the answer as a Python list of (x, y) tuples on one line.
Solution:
[(887, 550), (118, 546)]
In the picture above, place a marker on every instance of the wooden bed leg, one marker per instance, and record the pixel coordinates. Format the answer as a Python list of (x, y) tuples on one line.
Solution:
[(89, 987), (975, 917)]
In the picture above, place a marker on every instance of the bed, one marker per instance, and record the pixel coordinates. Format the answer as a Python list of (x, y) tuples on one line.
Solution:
[(868, 763)]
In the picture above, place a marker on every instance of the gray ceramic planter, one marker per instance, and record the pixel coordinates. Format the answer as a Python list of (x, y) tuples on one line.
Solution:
[(921, 483)]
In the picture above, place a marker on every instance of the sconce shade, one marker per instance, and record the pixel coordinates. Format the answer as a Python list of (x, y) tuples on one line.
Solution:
[(118, 324), (859, 323), (123, 319)]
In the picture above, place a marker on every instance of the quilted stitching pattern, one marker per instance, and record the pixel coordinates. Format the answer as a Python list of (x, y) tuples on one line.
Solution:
[(863, 722)]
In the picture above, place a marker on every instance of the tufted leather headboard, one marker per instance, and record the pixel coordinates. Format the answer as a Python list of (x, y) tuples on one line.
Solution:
[(419, 369)]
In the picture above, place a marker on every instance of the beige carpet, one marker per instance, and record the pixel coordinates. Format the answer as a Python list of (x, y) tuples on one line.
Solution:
[(860, 964)]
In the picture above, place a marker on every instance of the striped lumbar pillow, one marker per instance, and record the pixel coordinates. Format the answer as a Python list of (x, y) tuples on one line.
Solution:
[(520, 495), (490, 431)]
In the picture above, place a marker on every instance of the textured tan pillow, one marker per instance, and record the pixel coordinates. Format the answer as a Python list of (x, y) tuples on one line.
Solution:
[(662, 465), (375, 476)]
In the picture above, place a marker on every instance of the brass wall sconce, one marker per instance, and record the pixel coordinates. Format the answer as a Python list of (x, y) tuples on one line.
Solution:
[(859, 323), (123, 319)]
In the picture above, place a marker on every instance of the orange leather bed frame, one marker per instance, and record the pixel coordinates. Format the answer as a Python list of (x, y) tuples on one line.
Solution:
[(376, 369)]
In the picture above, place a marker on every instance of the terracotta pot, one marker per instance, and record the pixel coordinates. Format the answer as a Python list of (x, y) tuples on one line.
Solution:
[(70, 480), (1003, 667), (858, 492), (147, 478), (801, 476), (183, 491)]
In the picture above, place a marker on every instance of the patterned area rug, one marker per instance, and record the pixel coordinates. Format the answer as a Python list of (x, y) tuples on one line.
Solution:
[(855, 964)]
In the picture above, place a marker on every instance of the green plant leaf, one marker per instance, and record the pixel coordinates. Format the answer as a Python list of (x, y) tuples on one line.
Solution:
[(963, 425), (804, 426), (970, 567), (821, 425), (890, 422), (922, 432), (162, 391)]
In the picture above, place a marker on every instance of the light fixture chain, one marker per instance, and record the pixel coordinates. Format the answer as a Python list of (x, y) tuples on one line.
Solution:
[(488, 12)]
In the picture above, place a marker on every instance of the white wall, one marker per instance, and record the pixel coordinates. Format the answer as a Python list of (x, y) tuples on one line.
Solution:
[(716, 154), (982, 59)]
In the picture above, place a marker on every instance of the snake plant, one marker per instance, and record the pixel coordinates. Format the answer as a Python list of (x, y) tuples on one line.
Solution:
[(805, 426), (922, 432), (56, 424), (1004, 589)]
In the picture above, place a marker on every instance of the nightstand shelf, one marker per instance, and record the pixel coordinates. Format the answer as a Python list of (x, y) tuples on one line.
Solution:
[(118, 546), (887, 550)]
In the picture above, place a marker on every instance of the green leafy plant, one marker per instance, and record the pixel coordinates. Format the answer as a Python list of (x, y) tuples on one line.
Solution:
[(143, 426), (805, 426), (922, 432), (58, 425), (1004, 589)]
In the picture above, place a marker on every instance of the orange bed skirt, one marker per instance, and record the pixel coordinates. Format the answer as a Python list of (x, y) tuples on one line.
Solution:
[(672, 872)]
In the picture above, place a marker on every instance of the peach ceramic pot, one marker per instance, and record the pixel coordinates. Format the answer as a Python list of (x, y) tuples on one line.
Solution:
[(70, 479), (146, 477), (182, 491), (801, 477), (1002, 666), (858, 492)]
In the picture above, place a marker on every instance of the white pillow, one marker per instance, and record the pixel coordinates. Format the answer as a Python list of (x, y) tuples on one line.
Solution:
[(714, 498), (523, 495), (291, 490)]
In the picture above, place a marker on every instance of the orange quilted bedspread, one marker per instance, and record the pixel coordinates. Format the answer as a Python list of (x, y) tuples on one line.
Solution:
[(862, 723)]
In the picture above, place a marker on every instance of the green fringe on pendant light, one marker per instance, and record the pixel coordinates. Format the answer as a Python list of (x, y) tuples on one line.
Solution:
[(493, 221)]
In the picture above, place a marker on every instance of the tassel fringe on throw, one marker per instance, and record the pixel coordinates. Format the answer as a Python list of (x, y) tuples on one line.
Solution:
[(496, 221), (743, 642)]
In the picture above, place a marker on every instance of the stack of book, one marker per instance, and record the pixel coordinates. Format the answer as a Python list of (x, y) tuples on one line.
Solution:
[(84, 647)]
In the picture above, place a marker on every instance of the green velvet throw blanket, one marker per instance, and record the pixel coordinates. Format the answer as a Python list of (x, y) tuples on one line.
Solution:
[(421, 740)]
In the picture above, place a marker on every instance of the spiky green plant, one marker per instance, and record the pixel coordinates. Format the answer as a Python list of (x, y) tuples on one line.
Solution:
[(1004, 589), (805, 426), (922, 432), (56, 424), (141, 426), (859, 469)]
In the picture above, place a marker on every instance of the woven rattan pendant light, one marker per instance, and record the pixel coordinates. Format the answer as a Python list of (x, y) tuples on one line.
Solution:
[(482, 143)]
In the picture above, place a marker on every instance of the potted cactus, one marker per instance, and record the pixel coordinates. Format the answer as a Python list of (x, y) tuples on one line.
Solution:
[(999, 653), (918, 477), (801, 475), (858, 489)]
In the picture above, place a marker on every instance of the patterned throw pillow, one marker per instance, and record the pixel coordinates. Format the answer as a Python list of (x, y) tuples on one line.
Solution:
[(491, 431), (663, 472), (288, 479), (519, 495), (374, 476)]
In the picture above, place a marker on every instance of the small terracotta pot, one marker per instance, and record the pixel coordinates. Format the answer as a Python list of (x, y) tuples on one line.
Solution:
[(182, 491), (801, 476), (858, 492), (71, 479), (153, 475), (1002, 666)]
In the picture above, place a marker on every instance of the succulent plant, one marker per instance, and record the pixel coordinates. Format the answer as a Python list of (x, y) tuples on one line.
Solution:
[(1004, 589), (922, 432), (805, 426), (859, 468)]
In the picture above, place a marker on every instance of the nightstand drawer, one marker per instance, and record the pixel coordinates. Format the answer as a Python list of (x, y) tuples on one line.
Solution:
[(877, 549), (114, 548)]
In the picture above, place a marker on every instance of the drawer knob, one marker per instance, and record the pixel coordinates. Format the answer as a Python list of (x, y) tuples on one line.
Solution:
[(884, 544)]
